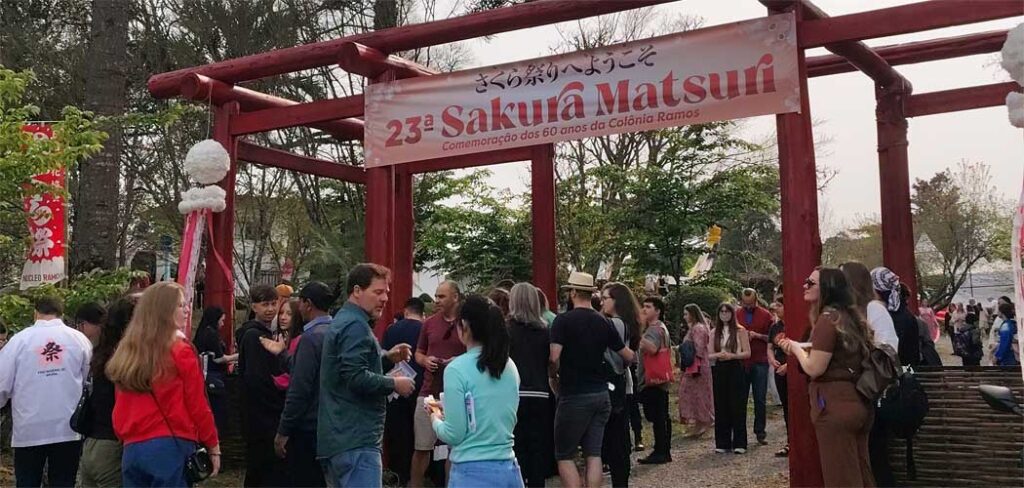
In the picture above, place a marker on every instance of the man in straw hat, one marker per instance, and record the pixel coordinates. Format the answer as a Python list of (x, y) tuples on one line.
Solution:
[(579, 339)]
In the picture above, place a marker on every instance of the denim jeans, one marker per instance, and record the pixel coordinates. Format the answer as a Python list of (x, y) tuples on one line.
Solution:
[(757, 383), (357, 468), (158, 462), (492, 474)]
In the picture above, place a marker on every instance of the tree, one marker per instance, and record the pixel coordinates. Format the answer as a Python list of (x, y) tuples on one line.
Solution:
[(23, 156), (96, 224), (862, 243), (964, 218), (693, 184), (480, 240)]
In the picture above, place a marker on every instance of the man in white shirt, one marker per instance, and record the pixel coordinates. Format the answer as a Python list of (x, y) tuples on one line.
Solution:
[(42, 370)]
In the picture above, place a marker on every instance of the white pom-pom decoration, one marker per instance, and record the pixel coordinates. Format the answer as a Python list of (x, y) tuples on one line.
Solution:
[(207, 162), (1013, 54), (208, 197), (1015, 105)]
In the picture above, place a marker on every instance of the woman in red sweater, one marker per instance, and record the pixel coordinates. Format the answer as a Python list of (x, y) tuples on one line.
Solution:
[(160, 410)]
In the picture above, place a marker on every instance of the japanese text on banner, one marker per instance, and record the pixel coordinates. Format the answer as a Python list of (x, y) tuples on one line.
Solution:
[(719, 73)]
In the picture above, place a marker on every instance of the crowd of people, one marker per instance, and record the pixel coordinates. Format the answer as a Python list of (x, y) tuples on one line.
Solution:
[(491, 390)]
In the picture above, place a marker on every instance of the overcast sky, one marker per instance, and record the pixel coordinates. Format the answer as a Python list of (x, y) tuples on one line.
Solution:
[(844, 105)]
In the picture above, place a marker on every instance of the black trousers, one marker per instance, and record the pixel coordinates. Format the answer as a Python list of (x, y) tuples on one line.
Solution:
[(782, 384), (655, 402), (730, 389), (262, 466), (303, 469), (635, 421), (534, 444), (878, 451), (398, 438), (60, 460), (972, 361), (616, 447)]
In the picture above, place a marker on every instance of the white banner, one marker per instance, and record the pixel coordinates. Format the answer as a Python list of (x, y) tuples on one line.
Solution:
[(719, 73)]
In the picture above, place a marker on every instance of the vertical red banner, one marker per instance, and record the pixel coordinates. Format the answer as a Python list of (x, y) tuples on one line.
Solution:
[(44, 262)]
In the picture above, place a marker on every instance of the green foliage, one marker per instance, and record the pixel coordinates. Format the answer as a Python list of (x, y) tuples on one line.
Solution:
[(706, 297), (965, 220), (23, 156), (480, 241), (96, 286), (862, 243), (719, 280)]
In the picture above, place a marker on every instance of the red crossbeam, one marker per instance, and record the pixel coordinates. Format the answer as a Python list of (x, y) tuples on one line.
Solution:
[(469, 160), (277, 158), (946, 101), (915, 52), (858, 54), (904, 19), (297, 115), (479, 24), (369, 62), (202, 88)]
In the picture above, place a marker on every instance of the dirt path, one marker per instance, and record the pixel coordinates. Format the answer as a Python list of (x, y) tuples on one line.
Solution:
[(694, 462)]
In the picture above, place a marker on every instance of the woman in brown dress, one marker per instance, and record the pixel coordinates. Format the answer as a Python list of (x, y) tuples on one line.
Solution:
[(840, 339), (696, 402)]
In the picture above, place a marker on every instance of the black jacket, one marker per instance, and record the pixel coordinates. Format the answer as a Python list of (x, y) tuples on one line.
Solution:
[(303, 398), (530, 349), (907, 332), (263, 402)]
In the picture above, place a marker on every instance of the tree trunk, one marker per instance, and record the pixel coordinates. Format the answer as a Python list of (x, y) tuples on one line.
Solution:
[(385, 14), (94, 243)]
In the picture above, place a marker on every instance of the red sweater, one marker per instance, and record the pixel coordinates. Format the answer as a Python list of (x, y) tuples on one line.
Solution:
[(762, 321), (182, 399)]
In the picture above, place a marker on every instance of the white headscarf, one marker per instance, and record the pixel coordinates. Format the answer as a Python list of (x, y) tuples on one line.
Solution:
[(883, 279)]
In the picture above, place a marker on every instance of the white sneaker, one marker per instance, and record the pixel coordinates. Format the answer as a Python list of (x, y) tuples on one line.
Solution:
[(720, 451), (739, 450)]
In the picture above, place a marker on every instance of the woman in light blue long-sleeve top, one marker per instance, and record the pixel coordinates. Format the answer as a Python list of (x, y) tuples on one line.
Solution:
[(481, 397)]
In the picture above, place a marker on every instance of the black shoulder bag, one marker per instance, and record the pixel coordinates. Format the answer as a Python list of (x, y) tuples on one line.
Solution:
[(81, 419), (198, 465)]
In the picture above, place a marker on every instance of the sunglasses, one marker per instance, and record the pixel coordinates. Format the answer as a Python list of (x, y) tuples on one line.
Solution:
[(809, 283)]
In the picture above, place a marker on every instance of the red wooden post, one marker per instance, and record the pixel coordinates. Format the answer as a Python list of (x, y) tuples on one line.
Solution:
[(545, 253), (894, 179), (404, 241), (380, 222), (801, 252), (379, 240), (220, 286)]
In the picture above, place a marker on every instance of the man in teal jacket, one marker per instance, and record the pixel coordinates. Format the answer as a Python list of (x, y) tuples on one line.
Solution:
[(353, 388)]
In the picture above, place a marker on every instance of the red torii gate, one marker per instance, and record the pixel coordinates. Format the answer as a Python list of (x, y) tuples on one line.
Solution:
[(389, 217)]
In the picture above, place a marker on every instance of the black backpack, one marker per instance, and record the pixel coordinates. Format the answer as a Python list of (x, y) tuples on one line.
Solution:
[(903, 408)]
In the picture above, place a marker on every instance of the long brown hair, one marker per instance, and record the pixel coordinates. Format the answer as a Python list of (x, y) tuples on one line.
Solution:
[(295, 328), (143, 356), (627, 309), (836, 300), (859, 278), (731, 344)]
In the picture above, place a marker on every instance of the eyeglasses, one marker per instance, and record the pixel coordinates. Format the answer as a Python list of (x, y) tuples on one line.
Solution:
[(809, 283), (606, 298)]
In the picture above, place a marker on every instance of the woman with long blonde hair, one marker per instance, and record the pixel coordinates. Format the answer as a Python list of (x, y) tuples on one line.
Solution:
[(160, 409)]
